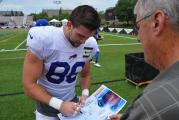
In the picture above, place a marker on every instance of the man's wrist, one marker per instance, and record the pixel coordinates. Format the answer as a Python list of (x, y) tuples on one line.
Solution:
[(85, 92), (55, 103)]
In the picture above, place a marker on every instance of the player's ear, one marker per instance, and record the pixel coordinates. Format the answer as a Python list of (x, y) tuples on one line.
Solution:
[(69, 24)]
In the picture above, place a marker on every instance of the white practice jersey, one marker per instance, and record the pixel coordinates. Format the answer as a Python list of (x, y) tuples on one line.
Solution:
[(61, 60)]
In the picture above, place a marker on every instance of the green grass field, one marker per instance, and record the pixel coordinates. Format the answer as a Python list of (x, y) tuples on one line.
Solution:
[(111, 74)]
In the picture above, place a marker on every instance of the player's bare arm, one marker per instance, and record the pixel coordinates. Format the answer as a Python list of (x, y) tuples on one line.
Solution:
[(85, 82), (32, 70), (85, 77)]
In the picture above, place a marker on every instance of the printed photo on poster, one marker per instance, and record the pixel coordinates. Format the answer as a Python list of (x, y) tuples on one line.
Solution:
[(102, 103)]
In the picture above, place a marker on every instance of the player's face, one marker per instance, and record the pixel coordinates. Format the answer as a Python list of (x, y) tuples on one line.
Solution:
[(79, 35)]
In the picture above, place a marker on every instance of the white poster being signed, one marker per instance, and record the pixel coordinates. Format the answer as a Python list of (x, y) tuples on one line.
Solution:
[(102, 103)]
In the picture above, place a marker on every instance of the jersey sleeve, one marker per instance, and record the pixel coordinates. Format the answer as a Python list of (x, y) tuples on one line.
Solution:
[(35, 43), (95, 47), (91, 43)]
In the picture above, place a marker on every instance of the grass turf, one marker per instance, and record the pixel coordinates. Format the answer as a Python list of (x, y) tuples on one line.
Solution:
[(111, 74)]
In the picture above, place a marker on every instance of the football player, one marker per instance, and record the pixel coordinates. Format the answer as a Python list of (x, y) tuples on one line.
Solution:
[(54, 58), (42, 22), (96, 58)]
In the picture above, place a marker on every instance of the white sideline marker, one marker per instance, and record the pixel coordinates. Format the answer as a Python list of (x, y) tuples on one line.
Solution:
[(19, 44), (119, 36), (120, 44), (13, 50)]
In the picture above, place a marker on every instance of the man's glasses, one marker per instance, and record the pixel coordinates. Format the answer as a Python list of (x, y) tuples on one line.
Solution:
[(136, 25)]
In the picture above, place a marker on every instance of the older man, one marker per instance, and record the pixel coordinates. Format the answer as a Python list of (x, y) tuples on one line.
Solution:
[(158, 30)]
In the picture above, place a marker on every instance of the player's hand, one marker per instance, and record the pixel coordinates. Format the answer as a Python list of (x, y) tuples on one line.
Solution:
[(69, 108), (114, 117), (82, 100)]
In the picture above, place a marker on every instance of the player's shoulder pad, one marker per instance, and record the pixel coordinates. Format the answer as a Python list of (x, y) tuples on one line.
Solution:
[(91, 41), (41, 32)]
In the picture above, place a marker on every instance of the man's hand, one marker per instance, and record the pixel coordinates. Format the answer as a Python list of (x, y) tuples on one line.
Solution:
[(69, 108), (114, 117)]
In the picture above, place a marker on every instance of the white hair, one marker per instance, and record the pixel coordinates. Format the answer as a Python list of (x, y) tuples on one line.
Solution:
[(170, 7)]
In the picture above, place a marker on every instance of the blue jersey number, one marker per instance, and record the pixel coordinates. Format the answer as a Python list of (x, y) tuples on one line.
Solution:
[(70, 76)]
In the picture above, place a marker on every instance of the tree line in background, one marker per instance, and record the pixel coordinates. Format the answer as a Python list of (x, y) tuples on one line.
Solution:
[(123, 11), (123, 15), (60, 16)]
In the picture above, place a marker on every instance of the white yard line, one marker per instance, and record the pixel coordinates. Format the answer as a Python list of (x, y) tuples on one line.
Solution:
[(119, 36), (3, 50), (8, 38), (128, 44), (19, 44), (120, 44)]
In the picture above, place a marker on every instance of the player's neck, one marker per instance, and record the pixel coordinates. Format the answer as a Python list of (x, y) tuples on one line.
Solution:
[(66, 32)]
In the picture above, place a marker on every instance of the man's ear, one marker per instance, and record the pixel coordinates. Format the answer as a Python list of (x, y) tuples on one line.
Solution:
[(69, 24), (158, 22)]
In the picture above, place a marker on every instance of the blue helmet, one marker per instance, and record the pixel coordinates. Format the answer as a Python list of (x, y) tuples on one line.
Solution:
[(41, 22)]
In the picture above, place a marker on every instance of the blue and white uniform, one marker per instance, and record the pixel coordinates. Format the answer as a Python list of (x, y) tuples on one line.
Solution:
[(61, 60)]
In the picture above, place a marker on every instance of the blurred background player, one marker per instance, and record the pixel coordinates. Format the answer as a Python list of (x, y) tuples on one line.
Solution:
[(40, 22), (96, 58)]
